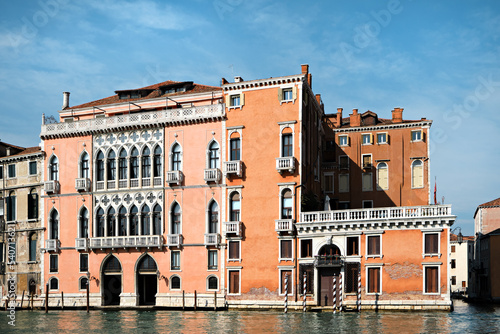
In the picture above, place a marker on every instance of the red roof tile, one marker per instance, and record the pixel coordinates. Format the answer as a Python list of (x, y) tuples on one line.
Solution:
[(495, 202)]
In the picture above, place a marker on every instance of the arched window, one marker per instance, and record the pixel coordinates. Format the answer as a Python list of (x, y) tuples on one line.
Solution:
[(122, 165), (111, 165), (134, 221), (83, 223), (11, 206), (32, 246), (33, 204), (112, 265), (175, 219), (213, 155), (213, 283), (286, 204), (84, 165), (122, 221), (234, 207), (145, 219), (54, 225), (100, 166), (287, 142), (157, 220), (175, 282), (147, 264), (417, 174), (235, 149), (100, 222), (213, 217), (53, 283), (157, 162), (176, 157), (111, 221), (134, 163), (82, 283), (382, 176), (146, 163), (54, 169)]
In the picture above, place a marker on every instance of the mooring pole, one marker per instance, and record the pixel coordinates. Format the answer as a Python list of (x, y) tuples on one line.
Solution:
[(46, 297), (195, 300), (286, 293), (215, 300), (32, 306), (183, 300), (304, 292), (340, 292), (334, 294), (22, 299), (62, 300), (88, 292), (359, 290)]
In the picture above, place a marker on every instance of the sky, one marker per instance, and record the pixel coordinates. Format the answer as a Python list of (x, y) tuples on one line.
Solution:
[(435, 59)]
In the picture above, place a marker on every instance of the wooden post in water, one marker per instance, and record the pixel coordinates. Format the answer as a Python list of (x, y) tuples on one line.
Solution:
[(22, 299), (195, 300), (215, 300), (32, 306), (46, 297), (183, 304), (7, 303), (62, 300)]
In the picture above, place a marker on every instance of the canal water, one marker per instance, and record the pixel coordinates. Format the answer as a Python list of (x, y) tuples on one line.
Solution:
[(464, 319)]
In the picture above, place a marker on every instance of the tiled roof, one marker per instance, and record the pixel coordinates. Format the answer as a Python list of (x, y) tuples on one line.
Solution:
[(156, 92), (495, 202), (454, 237), (346, 121), (10, 145), (24, 151)]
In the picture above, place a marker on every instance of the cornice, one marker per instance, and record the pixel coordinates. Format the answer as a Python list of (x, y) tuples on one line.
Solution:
[(383, 127), (263, 83)]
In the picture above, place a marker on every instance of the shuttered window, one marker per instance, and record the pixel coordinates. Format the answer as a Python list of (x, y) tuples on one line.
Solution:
[(234, 281), (286, 249), (343, 183), (234, 250), (373, 245), (286, 281), (382, 176), (373, 280), (366, 180), (417, 172), (431, 279), (431, 243)]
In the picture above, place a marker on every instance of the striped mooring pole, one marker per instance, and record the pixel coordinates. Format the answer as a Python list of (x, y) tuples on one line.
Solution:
[(286, 293), (359, 290), (340, 292), (304, 292), (334, 294)]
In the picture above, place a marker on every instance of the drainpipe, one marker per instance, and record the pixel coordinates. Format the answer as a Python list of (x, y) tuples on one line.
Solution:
[(296, 292)]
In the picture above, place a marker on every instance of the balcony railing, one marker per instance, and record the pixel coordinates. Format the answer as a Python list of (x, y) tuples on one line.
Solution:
[(82, 184), (174, 176), (81, 244), (328, 261), (232, 228), (285, 164), (51, 187), (52, 245), (126, 241), (375, 214), (174, 240), (284, 225), (212, 239), (232, 167), (212, 175)]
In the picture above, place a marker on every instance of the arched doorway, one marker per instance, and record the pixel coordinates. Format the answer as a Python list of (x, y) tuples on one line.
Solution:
[(147, 281), (111, 281), (328, 263)]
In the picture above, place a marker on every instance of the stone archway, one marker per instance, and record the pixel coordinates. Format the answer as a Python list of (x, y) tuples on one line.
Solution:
[(111, 281), (147, 280), (329, 266)]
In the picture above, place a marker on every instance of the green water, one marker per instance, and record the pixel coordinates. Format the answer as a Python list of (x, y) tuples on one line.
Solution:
[(465, 319)]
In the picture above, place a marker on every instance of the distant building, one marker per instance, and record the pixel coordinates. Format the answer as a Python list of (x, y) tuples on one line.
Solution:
[(461, 258), (20, 219), (487, 217), (486, 270)]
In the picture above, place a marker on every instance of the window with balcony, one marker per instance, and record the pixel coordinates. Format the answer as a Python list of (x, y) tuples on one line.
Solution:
[(286, 252), (134, 221), (431, 244), (32, 240), (234, 250), (100, 166), (53, 263), (111, 222), (122, 165), (84, 262), (431, 279), (213, 155), (343, 140), (382, 176), (176, 162), (32, 168), (212, 259), (175, 260), (352, 246), (175, 282), (286, 282), (54, 224), (145, 221), (157, 162), (146, 163), (11, 170), (83, 223), (234, 207), (33, 204), (157, 220), (366, 182), (286, 204), (175, 219), (287, 144), (84, 165), (100, 223), (373, 246), (134, 164), (234, 282), (374, 281), (306, 248), (54, 168), (235, 149), (111, 168), (213, 217), (417, 174), (122, 221), (212, 283)]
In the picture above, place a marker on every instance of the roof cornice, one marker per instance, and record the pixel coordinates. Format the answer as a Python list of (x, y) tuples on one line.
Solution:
[(263, 83), (383, 127)]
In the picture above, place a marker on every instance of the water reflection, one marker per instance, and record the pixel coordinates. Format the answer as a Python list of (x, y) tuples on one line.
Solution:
[(465, 319)]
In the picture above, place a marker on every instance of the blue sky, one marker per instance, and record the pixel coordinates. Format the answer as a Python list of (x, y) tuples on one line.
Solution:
[(435, 59)]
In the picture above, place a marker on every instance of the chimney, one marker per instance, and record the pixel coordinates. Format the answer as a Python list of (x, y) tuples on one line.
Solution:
[(65, 100), (238, 79), (397, 115), (355, 118), (305, 71), (338, 122), (318, 98)]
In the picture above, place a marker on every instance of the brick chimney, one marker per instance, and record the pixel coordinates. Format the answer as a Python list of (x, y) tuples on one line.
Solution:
[(338, 121), (305, 71), (397, 115), (318, 98), (355, 118), (65, 100)]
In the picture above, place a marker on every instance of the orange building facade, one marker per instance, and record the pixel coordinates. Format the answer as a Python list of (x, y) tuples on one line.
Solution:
[(180, 194)]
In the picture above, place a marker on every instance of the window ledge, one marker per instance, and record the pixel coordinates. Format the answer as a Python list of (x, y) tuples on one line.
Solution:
[(438, 255), (374, 256), (32, 262), (234, 107)]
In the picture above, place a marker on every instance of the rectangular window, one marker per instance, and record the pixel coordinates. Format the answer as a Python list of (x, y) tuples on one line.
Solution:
[(343, 140), (431, 279), (367, 139), (352, 246), (234, 250), (366, 182), (431, 243), (32, 167), (212, 259), (367, 161), (84, 262), (287, 142), (234, 281), (453, 280), (343, 183), (33, 205), (382, 138), (373, 245), (235, 100), (285, 249), (351, 277), (12, 170), (416, 135), (373, 280), (344, 205), (328, 183), (453, 263), (306, 270), (235, 149), (11, 208), (453, 248), (287, 94), (1, 172), (344, 162), (54, 263), (175, 260), (306, 248), (286, 282)]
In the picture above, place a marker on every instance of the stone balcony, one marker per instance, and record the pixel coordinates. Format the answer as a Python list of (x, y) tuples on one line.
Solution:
[(174, 240), (51, 187), (285, 164), (232, 228), (212, 175), (174, 176), (284, 225), (131, 241), (52, 245), (233, 167), (81, 244), (82, 184), (212, 239)]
